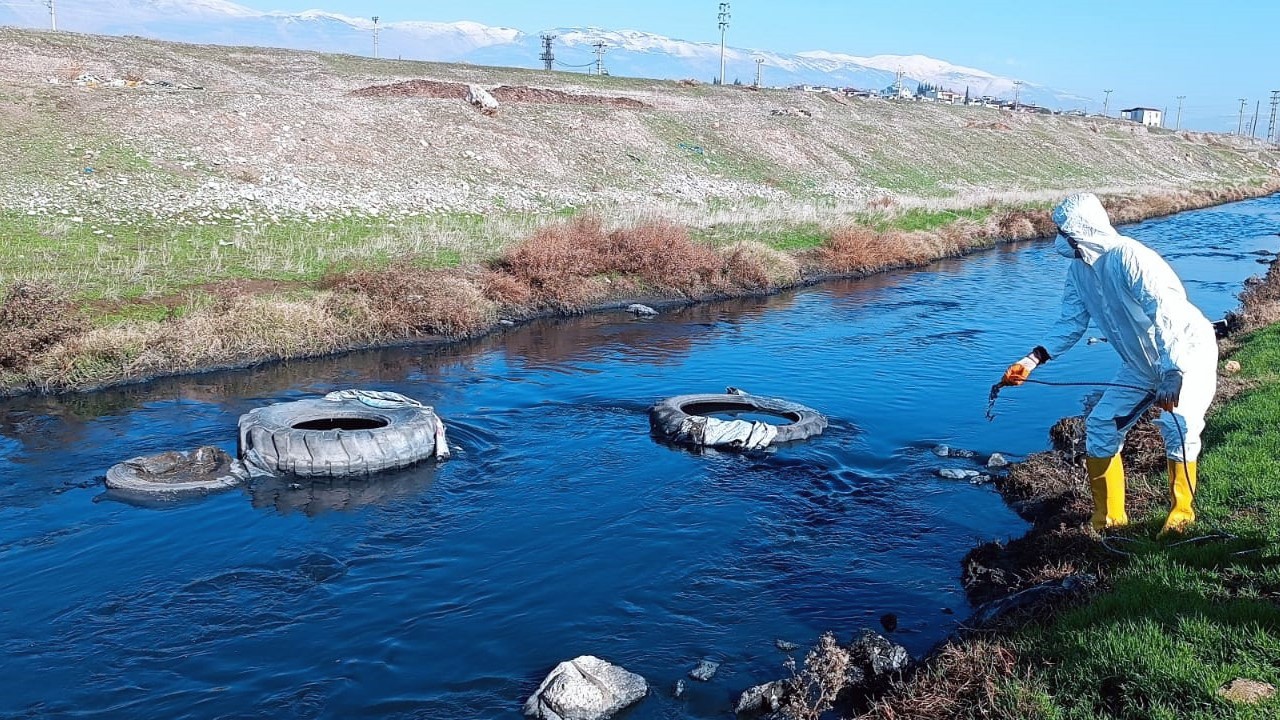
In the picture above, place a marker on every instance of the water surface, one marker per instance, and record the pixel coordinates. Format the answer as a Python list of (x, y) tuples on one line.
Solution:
[(560, 527)]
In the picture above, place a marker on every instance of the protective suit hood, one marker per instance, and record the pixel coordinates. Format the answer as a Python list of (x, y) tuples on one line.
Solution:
[(1082, 218)]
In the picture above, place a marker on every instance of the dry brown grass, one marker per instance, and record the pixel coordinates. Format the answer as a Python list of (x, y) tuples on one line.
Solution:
[(963, 679), (1260, 301), (755, 266), (571, 265), (234, 331), (33, 318), (813, 689), (405, 301)]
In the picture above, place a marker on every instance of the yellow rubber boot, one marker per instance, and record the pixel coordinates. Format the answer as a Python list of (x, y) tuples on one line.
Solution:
[(1106, 481), (1182, 489)]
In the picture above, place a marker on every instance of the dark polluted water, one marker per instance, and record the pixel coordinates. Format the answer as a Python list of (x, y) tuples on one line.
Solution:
[(560, 527)]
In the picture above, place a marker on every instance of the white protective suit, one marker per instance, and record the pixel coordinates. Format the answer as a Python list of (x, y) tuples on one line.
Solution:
[(1139, 304)]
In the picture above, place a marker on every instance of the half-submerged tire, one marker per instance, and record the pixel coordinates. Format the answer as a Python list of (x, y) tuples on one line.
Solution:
[(685, 419), (348, 433), (202, 470)]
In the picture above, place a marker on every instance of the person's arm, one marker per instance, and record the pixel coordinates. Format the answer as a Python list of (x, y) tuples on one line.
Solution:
[(1066, 332), (1071, 324)]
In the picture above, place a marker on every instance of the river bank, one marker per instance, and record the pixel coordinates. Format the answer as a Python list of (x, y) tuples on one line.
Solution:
[(1179, 628), (58, 344), (235, 206)]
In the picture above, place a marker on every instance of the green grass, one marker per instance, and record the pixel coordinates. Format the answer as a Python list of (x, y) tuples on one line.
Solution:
[(787, 237), (1182, 621), (96, 259), (921, 219)]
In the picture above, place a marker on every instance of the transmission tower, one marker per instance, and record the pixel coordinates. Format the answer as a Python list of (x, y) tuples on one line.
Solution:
[(723, 17), (760, 64), (1106, 102), (600, 48), (1271, 126), (1017, 91), (53, 15), (375, 37), (1178, 124), (547, 57), (1240, 123)]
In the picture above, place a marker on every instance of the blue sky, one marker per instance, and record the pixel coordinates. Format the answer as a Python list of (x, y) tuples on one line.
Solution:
[(1147, 52)]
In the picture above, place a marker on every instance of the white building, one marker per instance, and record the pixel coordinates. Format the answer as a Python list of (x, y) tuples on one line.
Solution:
[(1146, 116)]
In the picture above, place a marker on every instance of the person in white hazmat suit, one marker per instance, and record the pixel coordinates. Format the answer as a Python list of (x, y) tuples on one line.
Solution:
[(1168, 348)]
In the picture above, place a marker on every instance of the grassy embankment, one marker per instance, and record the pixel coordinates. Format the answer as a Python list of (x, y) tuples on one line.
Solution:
[(1177, 620), (104, 310), (278, 213)]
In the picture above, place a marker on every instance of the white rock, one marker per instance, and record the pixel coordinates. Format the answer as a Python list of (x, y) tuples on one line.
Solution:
[(997, 461), (705, 670), (585, 688), (958, 473), (641, 310)]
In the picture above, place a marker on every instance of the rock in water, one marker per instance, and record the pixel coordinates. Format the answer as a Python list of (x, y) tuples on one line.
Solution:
[(761, 699), (705, 671), (585, 688), (958, 473), (785, 645), (997, 461), (641, 310)]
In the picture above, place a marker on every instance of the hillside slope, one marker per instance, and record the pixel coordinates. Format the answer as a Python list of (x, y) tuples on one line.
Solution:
[(280, 131)]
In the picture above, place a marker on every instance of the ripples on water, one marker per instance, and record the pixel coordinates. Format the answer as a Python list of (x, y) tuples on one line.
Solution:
[(560, 527)]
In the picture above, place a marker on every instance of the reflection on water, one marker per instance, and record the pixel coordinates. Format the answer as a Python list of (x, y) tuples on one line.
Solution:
[(560, 527)]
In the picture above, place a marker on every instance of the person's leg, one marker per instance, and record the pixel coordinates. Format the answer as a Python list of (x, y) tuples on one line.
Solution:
[(1181, 431), (1105, 428)]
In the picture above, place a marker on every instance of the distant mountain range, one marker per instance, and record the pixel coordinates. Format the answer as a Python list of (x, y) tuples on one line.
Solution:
[(629, 52)]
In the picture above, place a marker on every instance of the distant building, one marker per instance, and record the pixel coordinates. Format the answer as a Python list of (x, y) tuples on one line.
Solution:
[(1146, 116)]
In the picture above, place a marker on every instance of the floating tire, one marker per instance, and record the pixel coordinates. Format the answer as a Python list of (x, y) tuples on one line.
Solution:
[(337, 438), (203, 470), (671, 417)]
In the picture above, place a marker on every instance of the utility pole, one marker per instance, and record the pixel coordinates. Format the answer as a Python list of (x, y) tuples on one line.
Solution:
[(375, 37), (600, 48), (1271, 124), (53, 15), (1106, 102), (1178, 125), (760, 64), (1253, 131), (1017, 89), (723, 17), (1240, 123), (547, 57)]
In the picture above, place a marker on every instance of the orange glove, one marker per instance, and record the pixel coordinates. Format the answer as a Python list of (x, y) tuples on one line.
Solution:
[(1021, 370)]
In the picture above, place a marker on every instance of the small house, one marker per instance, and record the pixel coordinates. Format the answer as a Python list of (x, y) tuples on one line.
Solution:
[(1146, 116)]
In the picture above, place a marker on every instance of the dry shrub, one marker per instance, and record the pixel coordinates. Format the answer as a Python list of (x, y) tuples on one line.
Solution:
[(963, 679), (1260, 301), (572, 264), (812, 690), (861, 250), (1025, 224), (506, 290), (235, 331), (32, 319), (756, 266), (881, 203), (407, 301), (1122, 210)]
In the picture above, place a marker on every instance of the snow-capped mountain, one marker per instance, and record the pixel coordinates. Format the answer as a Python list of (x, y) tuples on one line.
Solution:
[(627, 52)]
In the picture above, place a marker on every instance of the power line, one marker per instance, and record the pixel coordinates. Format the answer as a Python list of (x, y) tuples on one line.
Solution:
[(1017, 89), (1106, 101)]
